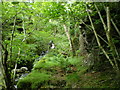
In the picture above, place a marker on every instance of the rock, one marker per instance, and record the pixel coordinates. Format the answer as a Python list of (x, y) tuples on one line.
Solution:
[(23, 69), (23, 75)]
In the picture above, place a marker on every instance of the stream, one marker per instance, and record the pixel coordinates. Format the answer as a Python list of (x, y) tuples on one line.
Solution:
[(26, 72)]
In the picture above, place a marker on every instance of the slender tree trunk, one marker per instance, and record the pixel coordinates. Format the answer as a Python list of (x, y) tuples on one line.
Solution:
[(109, 38), (69, 39), (23, 26), (108, 34), (82, 46), (14, 26), (98, 41), (2, 81), (16, 67), (107, 30), (7, 75), (116, 28), (7, 72), (90, 28), (104, 25)]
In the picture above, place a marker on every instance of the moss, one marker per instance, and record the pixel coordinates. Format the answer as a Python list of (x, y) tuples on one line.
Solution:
[(45, 64), (34, 80)]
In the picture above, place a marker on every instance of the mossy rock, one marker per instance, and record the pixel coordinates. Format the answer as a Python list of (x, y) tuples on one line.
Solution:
[(34, 80)]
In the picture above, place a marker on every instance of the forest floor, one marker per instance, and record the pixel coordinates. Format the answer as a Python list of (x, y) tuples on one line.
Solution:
[(57, 77), (97, 80)]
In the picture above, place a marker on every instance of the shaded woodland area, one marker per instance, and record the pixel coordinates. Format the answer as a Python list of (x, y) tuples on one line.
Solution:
[(60, 45)]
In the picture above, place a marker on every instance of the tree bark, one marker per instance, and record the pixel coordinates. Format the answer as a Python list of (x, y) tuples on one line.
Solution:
[(69, 39), (111, 44), (7, 75)]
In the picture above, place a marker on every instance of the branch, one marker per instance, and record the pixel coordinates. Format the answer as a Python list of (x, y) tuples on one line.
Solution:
[(98, 41), (91, 30), (105, 28), (115, 27), (14, 26)]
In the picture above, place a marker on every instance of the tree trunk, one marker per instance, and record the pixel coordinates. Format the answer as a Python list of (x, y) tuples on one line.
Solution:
[(69, 39), (2, 81), (82, 46), (109, 38), (23, 26), (7, 75), (98, 41), (111, 44), (14, 26)]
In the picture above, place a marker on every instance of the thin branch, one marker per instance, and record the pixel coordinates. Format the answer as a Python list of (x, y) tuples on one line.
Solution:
[(5, 21), (16, 66), (69, 38), (91, 30), (114, 47), (111, 44), (107, 30), (103, 39), (14, 26), (105, 27), (115, 27), (23, 26), (98, 41)]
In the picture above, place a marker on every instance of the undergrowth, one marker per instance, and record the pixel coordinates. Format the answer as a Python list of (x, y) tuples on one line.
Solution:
[(56, 71)]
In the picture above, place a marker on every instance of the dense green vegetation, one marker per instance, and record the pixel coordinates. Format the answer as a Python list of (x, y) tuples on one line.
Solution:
[(60, 45)]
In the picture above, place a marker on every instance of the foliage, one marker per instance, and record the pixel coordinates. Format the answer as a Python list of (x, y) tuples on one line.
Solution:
[(55, 64), (29, 27), (34, 80)]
